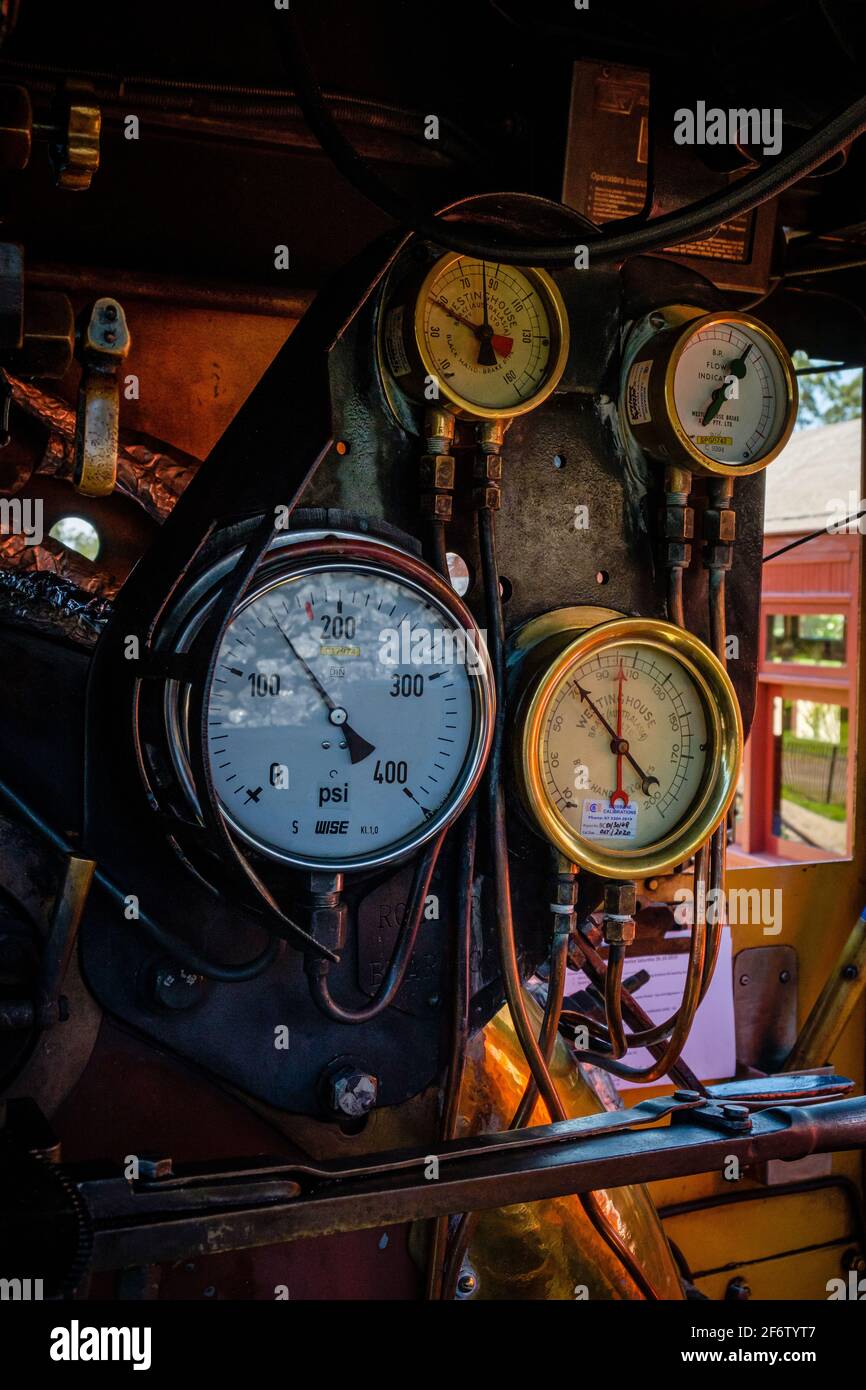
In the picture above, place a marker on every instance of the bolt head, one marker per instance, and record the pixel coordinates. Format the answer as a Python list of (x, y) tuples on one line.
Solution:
[(737, 1114), (354, 1093)]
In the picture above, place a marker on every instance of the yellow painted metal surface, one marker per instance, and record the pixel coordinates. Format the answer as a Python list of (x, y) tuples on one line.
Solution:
[(819, 904)]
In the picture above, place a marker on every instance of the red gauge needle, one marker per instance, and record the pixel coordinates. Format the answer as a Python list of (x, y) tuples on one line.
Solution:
[(618, 744), (619, 794), (500, 344)]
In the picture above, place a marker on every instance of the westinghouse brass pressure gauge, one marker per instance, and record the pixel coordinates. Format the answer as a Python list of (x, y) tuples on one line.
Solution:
[(493, 338), (716, 394), (627, 740)]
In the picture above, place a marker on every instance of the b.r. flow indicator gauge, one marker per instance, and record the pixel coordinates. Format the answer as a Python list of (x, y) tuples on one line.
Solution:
[(714, 393)]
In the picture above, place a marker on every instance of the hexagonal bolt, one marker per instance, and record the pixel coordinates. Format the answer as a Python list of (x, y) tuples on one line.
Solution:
[(354, 1093), (619, 899)]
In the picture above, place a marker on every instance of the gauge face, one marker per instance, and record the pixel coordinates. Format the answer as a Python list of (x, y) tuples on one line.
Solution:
[(348, 716), (624, 746), (731, 392), (629, 743), (493, 336)]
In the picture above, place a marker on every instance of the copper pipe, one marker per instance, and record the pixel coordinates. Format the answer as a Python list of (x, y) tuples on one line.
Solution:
[(498, 832), (691, 998), (550, 1022), (676, 612), (317, 969), (459, 1032), (613, 999)]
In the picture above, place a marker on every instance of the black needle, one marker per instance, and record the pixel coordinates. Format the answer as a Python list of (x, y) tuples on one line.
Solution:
[(618, 745), (358, 747), (413, 797), (486, 351), (719, 396)]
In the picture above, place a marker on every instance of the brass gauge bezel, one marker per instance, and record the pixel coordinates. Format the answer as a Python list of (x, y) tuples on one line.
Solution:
[(663, 435), (725, 734), (546, 287)]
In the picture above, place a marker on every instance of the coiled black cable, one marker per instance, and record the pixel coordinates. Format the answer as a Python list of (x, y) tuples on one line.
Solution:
[(696, 220)]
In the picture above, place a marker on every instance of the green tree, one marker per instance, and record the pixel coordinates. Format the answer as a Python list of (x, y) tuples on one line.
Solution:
[(829, 398)]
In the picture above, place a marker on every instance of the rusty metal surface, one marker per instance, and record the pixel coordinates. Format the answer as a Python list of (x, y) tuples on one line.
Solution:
[(765, 1005), (472, 1176), (147, 474)]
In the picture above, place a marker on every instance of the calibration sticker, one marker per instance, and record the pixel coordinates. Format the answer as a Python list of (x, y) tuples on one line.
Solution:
[(637, 398), (601, 821), (396, 353)]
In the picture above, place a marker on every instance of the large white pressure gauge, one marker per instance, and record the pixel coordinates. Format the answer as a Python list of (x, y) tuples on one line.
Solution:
[(716, 394), (351, 708)]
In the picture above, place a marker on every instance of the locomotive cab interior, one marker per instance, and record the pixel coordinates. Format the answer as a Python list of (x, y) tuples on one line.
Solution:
[(431, 651)]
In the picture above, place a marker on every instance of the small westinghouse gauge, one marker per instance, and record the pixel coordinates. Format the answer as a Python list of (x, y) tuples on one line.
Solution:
[(351, 709), (716, 394), (493, 338), (627, 740)]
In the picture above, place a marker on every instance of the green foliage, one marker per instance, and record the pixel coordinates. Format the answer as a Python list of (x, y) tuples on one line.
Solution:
[(817, 748), (820, 808), (828, 399)]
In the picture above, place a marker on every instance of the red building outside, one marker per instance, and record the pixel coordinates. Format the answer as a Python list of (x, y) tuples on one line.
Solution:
[(796, 791)]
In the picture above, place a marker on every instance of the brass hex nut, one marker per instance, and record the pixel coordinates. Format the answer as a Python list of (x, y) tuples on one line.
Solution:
[(619, 899), (437, 470), (438, 506), (487, 468), (619, 931)]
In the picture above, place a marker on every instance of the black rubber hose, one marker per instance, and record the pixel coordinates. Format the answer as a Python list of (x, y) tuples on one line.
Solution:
[(180, 951), (685, 224), (317, 969), (495, 788)]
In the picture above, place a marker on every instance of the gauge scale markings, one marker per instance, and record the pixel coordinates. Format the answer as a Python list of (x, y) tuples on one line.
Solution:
[(355, 732), (599, 755)]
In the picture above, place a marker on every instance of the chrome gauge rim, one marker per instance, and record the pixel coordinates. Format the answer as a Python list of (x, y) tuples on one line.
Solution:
[(394, 567)]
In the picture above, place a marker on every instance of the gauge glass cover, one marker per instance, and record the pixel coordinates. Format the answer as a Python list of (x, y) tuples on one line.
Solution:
[(346, 716), (495, 337), (731, 392)]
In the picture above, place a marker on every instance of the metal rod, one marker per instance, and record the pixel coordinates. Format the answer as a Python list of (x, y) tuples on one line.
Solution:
[(501, 1173), (834, 1006)]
